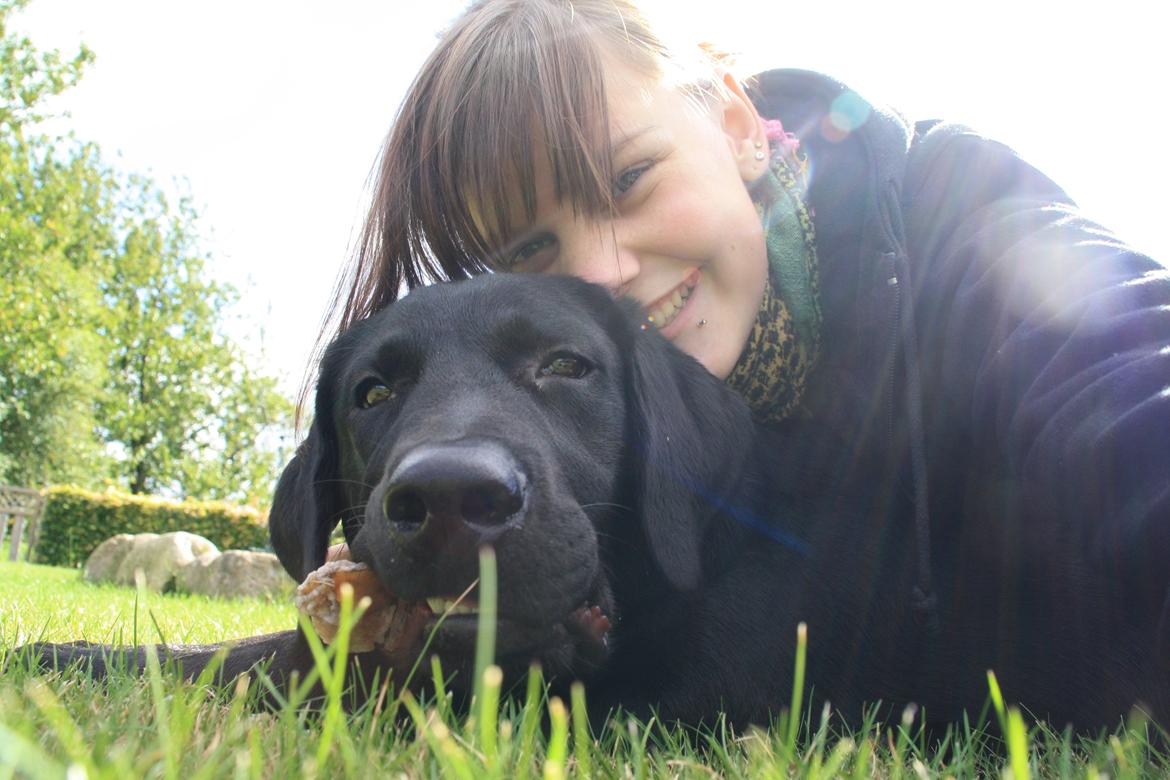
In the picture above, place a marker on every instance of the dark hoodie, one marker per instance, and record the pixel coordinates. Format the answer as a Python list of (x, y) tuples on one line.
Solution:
[(995, 370)]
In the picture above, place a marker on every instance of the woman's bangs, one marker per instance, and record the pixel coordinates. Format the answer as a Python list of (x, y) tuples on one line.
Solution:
[(534, 92)]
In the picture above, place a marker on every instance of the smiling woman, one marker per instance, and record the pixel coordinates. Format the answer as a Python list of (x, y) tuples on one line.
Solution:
[(684, 238)]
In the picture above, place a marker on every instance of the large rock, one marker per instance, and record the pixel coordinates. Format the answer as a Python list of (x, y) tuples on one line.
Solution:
[(236, 573), (102, 564), (158, 556), (187, 562)]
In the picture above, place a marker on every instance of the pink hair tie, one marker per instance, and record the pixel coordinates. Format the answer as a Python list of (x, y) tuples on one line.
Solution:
[(776, 134)]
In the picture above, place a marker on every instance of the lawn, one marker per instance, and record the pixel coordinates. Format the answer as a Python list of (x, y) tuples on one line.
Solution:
[(64, 725), (54, 604)]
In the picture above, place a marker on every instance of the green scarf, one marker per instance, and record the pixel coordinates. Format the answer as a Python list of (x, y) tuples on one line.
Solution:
[(773, 368)]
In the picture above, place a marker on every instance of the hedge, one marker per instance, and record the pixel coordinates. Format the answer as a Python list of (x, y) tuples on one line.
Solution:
[(76, 521)]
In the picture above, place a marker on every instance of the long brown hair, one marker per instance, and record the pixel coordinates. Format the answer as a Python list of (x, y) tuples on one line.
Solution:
[(507, 77)]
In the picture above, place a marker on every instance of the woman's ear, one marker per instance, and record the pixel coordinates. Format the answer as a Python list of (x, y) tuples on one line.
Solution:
[(743, 128)]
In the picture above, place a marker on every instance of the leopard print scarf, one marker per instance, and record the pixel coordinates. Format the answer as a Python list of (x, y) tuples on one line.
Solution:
[(784, 343)]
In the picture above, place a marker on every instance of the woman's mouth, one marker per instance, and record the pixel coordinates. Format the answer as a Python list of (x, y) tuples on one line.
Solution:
[(665, 309)]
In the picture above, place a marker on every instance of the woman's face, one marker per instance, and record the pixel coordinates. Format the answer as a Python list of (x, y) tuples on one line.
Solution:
[(686, 242)]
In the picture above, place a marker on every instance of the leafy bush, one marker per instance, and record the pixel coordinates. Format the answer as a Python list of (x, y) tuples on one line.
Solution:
[(76, 521)]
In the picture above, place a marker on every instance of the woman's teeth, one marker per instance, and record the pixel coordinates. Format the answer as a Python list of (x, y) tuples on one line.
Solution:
[(668, 308)]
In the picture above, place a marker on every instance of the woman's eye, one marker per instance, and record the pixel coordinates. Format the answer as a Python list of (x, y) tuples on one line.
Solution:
[(521, 258), (627, 178), (567, 366), (372, 392)]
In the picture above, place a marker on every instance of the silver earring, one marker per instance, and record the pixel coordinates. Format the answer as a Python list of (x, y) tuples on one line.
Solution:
[(702, 323), (759, 155)]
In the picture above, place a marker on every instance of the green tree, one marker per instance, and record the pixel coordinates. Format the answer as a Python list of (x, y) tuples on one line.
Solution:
[(53, 248), (182, 409), (243, 452), (113, 359), (28, 76)]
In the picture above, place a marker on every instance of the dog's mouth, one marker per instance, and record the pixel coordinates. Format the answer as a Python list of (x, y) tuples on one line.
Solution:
[(400, 630), (587, 623), (454, 622)]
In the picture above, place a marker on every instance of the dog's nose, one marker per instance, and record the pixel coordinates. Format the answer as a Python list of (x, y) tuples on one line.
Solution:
[(447, 489)]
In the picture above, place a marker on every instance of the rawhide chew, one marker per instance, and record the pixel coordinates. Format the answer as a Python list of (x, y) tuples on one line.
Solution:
[(319, 598)]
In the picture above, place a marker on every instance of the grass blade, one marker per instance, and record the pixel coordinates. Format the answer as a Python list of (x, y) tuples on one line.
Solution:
[(67, 731), (489, 712), (797, 689), (485, 638), (1017, 741), (582, 739), (529, 721), (997, 700), (25, 758), (335, 687), (558, 741)]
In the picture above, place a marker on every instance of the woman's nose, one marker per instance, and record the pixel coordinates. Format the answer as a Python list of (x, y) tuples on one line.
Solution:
[(598, 254)]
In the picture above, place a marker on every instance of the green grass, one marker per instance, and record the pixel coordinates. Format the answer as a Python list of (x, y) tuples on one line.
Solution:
[(53, 604), (64, 725)]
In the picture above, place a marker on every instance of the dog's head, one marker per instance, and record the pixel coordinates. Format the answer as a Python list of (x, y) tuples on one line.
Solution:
[(530, 413)]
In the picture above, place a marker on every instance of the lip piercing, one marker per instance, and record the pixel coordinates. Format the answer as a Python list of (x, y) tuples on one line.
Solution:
[(702, 323)]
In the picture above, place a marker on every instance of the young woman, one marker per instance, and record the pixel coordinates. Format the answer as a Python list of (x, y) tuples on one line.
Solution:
[(967, 349)]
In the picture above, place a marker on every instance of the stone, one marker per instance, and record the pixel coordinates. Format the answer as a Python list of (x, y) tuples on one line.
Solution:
[(188, 562), (102, 564), (236, 574), (160, 556)]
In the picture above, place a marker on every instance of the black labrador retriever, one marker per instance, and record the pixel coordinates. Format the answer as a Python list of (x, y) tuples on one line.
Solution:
[(650, 538)]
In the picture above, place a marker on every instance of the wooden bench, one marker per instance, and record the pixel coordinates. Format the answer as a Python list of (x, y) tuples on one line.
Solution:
[(24, 507)]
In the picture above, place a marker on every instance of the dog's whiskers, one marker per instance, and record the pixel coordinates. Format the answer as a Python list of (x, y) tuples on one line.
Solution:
[(338, 480), (597, 504), (614, 540)]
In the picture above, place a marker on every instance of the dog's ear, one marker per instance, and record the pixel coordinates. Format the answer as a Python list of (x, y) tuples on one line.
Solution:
[(308, 501), (691, 439)]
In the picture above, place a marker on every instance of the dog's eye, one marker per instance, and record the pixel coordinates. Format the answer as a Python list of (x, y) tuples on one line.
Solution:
[(566, 365), (371, 392)]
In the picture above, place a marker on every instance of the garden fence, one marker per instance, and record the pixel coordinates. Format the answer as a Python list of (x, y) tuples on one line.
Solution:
[(22, 507)]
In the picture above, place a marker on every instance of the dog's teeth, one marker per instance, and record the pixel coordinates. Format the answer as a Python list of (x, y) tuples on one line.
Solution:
[(440, 606)]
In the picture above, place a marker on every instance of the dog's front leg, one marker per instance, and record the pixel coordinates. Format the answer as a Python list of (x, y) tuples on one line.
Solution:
[(279, 654)]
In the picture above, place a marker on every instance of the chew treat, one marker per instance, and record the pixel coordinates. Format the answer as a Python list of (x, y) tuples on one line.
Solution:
[(390, 626), (319, 598)]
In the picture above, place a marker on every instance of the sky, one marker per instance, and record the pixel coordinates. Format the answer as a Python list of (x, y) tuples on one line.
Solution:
[(270, 114)]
